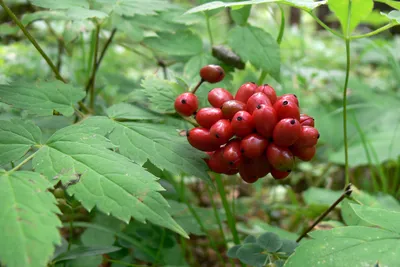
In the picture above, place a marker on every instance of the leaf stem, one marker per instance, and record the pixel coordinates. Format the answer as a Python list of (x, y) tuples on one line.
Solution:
[(197, 86), (381, 29), (326, 27), (23, 162), (160, 247), (210, 196), (209, 29), (347, 192), (231, 219), (94, 70)]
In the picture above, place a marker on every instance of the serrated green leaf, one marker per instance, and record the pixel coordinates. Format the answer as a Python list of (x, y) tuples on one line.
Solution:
[(354, 246), (28, 219), (261, 49), (82, 251), (60, 4), (132, 7), (270, 241), (360, 9), (124, 111), (241, 15), (252, 254), (180, 43), (42, 98), (232, 251), (393, 15), (96, 176), (79, 13), (161, 93), (16, 138), (53, 15)]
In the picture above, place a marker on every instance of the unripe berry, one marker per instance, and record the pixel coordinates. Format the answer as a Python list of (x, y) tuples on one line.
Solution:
[(286, 132), (280, 158), (200, 138), (218, 96), (256, 100), (265, 119), (206, 117), (245, 91), (186, 104), (212, 73), (221, 132), (229, 108), (269, 91), (242, 123), (253, 145), (286, 108)]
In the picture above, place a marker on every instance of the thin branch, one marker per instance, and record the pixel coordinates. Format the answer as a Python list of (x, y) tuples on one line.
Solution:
[(381, 29), (94, 70)]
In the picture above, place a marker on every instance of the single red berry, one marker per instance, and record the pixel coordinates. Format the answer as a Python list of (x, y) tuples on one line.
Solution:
[(304, 153), (206, 117), (247, 175), (286, 108), (308, 137), (306, 120), (291, 97), (262, 166), (253, 145), (280, 158), (232, 153), (278, 175), (242, 123), (216, 162), (269, 91), (200, 138), (229, 108), (256, 100), (221, 132), (245, 91), (252, 169), (218, 96), (265, 119), (212, 73), (286, 132), (186, 104)]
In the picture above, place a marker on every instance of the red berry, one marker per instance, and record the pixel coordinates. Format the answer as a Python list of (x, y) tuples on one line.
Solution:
[(291, 97), (245, 91), (248, 175), (206, 117), (256, 100), (262, 166), (280, 158), (212, 73), (242, 123), (269, 91), (286, 132), (308, 137), (278, 175), (306, 120), (304, 153), (286, 108), (253, 145), (232, 153), (253, 169), (221, 132), (186, 104), (265, 119), (229, 108), (200, 138), (217, 164), (218, 96)]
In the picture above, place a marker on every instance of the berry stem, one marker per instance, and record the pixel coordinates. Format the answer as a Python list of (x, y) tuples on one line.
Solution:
[(197, 86), (231, 219)]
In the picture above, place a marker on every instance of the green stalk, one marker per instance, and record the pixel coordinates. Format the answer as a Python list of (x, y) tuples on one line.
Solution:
[(209, 30), (216, 213), (385, 186), (22, 163), (160, 248), (381, 29), (326, 27), (94, 69), (231, 219)]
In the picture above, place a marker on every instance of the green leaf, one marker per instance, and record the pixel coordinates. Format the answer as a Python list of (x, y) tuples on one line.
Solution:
[(241, 15), (354, 246), (270, 241), (259, 227), (16, 138), (360, 9), (320, 196), (250, 239), (42, 98), (53, 15), (252, 254), (161, 93), (79, 13), (288, 246), (232, 251), (392, 3), (393, 15), (94, 237), (124, 111), (180, 43), (261, 49), (28, 219), (82, 251), (302, 4), (80, 157), (60, 4), (132, 7)]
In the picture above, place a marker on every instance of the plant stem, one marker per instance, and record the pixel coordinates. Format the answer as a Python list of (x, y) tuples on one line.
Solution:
[(216, 213), (209, 30), (326, 27), (197, 86), (94, 71), (160, 247), (347, 192), (231, 219), (23, 162), (125, 263), (381, 29)]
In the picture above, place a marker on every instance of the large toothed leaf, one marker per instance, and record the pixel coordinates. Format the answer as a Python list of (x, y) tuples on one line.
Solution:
[(28, 219), (16, 138), (132, 7), (125, 111), (97, 176), (42, 98), (60, 4)]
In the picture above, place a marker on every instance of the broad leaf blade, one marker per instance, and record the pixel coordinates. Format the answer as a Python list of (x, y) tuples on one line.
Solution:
[(132, 7), (97, 176), (124, 111), (42, 98), (16, 138), (60, 4), (80, 252), (252, 254), (261, 49), (354, 246), (28, 219)]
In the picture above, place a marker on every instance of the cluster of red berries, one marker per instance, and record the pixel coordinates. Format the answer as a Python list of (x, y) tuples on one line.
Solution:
[(253, 134)]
